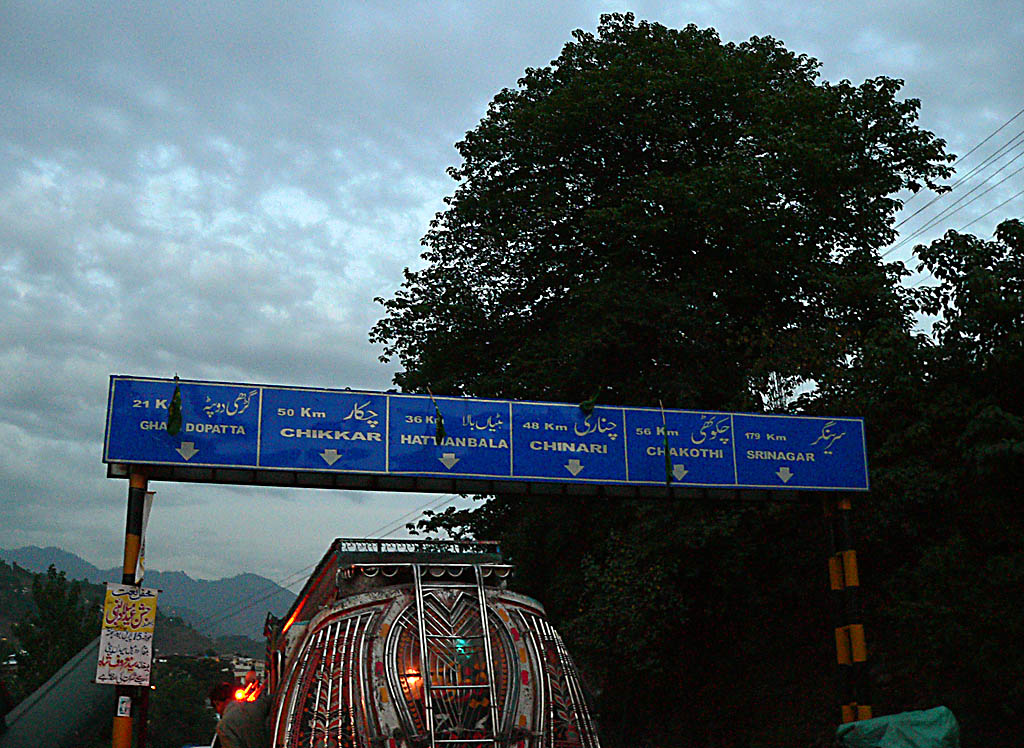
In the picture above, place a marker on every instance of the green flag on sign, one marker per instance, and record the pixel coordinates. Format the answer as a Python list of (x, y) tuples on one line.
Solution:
[(587, 406), (668, 457), (174, 410), (439, 433)]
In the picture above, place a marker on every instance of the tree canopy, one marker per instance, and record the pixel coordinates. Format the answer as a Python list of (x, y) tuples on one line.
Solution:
[(664, 216), (64, 621), (943, 527)]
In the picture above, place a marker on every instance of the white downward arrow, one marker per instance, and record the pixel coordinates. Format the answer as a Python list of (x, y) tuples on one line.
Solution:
[(448, 459), (187, 450), (330, 456), (574, 466), (784, 474), (679, 471)]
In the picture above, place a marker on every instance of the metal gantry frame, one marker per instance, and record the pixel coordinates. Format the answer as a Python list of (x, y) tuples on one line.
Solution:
[(851, 649)]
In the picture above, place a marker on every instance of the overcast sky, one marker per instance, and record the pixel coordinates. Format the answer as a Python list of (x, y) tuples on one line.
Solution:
[(219, 190)]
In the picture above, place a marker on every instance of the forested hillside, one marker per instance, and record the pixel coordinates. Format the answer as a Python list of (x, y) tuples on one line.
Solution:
[(234, 606), (45, 619)]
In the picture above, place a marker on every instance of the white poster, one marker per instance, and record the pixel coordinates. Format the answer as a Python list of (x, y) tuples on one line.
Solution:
[(126, 640), (140, 564)]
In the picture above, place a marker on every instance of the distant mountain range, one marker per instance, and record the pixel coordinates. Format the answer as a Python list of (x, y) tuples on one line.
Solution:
[(223, 607)]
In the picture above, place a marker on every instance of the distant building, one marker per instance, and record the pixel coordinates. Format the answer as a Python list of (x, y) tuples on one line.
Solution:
[(10, 663), (242, 665)]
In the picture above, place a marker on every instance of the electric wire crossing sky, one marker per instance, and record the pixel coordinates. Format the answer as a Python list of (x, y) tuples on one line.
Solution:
[(265, 427)]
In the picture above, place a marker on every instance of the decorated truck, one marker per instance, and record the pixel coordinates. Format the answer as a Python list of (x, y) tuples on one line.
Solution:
[(409, 643)]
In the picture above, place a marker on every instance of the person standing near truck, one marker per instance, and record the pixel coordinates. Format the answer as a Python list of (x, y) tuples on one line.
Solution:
[(242, 724)]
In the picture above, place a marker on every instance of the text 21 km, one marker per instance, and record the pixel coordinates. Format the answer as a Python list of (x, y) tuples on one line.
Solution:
[(145, 404)]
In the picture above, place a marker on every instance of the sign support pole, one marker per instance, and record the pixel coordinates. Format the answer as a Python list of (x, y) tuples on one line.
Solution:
[(137, 484), (844, 581)]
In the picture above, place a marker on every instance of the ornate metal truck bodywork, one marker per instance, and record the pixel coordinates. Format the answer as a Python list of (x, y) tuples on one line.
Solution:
[(409, 644)]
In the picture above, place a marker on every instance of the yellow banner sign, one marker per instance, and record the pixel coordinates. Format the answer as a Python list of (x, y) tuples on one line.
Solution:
[(128, 608)]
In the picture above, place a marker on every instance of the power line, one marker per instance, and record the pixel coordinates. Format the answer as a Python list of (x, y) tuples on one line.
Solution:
[(922, 279), (983, 215), (928, 273), (997, 154), (968, 154), (430, 505), (256, 598), (994, 133), (945, 213), (953, 210)]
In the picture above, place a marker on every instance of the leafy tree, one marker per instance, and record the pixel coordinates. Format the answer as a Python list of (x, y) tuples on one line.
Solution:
[(65, 620), (980, 303), (178, 712), (665, 216), (941, 531), (954, 614), (657, 215)]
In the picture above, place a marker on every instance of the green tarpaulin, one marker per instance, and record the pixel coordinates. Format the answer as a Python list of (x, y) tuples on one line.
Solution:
[(931, 728)]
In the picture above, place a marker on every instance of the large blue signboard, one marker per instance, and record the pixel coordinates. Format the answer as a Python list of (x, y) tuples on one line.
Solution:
[(561, 442), (343, 431), (475, 442)]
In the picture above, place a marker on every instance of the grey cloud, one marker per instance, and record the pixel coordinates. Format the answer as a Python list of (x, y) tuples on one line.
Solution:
[(220, 190)]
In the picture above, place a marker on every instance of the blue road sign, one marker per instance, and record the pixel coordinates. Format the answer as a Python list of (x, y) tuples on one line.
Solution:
[(475, 441), (699, 447), (820, 452), (319, 430), (220, 423), (344, 431), (561, 442)]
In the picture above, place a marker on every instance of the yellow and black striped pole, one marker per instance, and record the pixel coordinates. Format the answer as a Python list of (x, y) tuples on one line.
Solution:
[(854, 613), (844, 581), (844, 662), (137, 484)]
